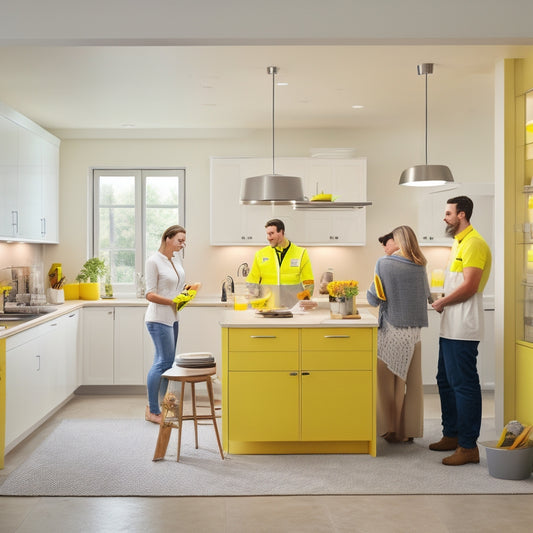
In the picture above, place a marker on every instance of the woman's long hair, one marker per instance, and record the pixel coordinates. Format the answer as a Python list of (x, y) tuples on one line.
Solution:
[(406, 239)]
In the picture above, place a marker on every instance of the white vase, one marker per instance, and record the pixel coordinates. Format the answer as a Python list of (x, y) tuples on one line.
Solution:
[(342, 307)]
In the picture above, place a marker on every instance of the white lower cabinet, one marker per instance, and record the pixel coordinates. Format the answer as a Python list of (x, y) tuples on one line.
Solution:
[(41, 373), (128, 360), (200, 332), (114, 345), (98, 340)]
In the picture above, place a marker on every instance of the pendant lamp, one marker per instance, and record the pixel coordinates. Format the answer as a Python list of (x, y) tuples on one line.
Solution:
[(272, 188), (426, 175)]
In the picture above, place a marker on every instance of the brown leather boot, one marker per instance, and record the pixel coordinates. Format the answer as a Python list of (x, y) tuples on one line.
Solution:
[(462, 456), (446, 444)]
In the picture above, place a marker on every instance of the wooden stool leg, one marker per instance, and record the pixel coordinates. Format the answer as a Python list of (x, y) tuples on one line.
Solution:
[(162, 439), (193, 392), (162, 443), (180, 419), (212, 404)]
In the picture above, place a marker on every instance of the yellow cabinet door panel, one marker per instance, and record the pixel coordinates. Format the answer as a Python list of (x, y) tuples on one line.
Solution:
[(337, 339), (337, 360), (268, 339), (336, 406), (263, 361), (264, 406)]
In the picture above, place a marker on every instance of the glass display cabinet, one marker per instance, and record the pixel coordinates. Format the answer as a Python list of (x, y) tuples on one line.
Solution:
[(527, 241)]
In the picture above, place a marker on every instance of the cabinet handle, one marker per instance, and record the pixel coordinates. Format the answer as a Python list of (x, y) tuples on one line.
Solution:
[(305, 373), (38, 362), (43, 226), (336, 336), (15, 222), (262, 336), (293, 373)]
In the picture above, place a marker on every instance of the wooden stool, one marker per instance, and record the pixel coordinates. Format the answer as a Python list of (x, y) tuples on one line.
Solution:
[(172, 408)]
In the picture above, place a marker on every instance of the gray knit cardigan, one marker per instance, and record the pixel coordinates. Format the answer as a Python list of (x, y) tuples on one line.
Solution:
[(406, 292)]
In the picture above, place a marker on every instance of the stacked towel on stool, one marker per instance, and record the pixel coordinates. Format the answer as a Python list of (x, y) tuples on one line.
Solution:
[(195, 360)]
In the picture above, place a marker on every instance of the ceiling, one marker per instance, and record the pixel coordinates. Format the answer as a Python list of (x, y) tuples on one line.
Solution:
[(188, 91)]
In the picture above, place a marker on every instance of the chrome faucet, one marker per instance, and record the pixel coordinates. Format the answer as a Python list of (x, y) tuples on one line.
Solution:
[(243, 270), (228, 287)]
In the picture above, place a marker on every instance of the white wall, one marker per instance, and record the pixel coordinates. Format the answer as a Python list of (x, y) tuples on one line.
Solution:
[(464, 141)]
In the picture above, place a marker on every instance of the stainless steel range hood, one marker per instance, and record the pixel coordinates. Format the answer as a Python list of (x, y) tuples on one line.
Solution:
[(330, 205)]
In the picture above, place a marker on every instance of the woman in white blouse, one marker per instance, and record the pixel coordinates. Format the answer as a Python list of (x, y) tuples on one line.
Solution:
[(165, 279)]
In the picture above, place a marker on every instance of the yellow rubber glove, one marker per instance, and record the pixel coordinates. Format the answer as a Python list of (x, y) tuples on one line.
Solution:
[(183, 298)]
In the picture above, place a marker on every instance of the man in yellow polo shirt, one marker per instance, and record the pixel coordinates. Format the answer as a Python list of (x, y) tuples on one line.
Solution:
[(282, 267), (460, 332)]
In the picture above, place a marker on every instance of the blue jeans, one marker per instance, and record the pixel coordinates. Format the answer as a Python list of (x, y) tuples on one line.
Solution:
[(459, 390), (165, 339)]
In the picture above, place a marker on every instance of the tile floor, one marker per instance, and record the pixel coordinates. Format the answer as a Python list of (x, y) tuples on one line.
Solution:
[(373, 514)]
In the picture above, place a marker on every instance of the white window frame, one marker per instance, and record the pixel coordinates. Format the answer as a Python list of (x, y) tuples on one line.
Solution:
[(140, 175)]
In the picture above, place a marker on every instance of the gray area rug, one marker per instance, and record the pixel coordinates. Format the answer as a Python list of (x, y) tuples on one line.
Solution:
[(114, 458)]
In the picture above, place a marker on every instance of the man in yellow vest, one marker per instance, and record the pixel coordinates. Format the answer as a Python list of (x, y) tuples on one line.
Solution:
[(282, 267)]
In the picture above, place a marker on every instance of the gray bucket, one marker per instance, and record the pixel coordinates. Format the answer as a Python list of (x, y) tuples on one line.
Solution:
[(509, 464)]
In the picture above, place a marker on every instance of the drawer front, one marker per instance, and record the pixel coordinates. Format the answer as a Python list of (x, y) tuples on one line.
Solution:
[(332, 339), (337, 360), (267, 339), (263, 361)]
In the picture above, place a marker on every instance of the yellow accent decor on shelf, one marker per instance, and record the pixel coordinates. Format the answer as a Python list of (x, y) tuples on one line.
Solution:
[(72, 291), (89, 291)]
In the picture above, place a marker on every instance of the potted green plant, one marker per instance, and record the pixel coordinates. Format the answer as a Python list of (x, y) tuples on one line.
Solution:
[(90, 274)]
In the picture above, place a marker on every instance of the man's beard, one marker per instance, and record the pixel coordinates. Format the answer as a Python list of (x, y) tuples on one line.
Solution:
[(451, 229)]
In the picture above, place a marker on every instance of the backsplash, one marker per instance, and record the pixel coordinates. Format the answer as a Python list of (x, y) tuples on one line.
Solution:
[(20, 254)]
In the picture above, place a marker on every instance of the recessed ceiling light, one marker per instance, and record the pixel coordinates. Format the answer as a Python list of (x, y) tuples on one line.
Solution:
[(127, 125), (280, 83), (358, 106)]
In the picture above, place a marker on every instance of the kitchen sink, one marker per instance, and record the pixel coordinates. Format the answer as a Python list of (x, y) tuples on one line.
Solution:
[(17, 317)]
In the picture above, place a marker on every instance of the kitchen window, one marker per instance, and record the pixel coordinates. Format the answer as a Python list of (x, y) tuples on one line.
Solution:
[(131, 209)]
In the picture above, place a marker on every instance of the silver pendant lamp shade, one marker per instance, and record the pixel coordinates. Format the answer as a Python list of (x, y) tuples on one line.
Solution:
[(272, 188), (426, 175)]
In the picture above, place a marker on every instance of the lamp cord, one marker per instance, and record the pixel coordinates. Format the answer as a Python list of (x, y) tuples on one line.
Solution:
[(426, 75), (273, 100)]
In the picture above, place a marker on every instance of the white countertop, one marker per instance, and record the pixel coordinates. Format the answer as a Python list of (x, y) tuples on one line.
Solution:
[(311, 319), (71, 305), (231, 318)]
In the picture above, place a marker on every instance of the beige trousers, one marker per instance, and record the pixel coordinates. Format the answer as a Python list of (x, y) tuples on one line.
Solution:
[(400, 404)]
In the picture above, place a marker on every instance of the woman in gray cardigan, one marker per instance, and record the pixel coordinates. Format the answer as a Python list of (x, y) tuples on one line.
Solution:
[(401, 290)]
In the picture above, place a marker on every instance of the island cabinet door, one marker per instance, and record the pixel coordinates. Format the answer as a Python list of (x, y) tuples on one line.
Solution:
[(337, 384), (336, 405), (264, 406)]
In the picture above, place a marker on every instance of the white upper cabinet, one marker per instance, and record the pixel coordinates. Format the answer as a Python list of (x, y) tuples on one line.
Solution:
[(8, 175), (235, 224), (29, 180)]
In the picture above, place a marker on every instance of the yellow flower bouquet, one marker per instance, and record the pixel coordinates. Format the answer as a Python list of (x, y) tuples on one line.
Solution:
[(342, 290)]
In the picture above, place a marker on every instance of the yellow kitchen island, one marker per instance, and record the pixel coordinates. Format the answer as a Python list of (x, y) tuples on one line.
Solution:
[(305, 384)]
